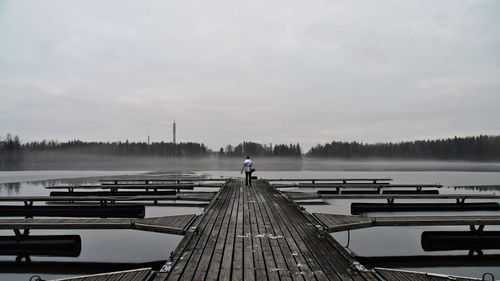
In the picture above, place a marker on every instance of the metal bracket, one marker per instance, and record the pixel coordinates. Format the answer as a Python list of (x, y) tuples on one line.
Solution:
[(28, 203), (23, 258), (472, 251), (20, 235), (479, 229)]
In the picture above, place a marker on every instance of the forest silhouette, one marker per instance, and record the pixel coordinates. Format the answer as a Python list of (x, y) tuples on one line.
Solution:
[(477, 148)]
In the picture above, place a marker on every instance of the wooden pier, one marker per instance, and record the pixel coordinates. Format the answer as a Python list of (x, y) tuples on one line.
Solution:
[(298, 196), (169, 224), (184, 196), (142, 274), (334, 223), (258, 233), (255, 233)]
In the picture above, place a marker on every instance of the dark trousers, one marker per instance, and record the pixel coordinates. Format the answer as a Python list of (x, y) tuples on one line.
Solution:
[(248, 178)]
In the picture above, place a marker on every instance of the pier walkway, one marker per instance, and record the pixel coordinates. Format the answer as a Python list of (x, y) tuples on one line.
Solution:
[(257, 233)]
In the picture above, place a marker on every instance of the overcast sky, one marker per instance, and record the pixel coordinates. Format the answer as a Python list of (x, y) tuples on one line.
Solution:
[(266, 71)]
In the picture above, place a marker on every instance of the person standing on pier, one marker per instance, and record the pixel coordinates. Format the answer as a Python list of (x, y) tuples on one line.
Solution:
[(249, 169)]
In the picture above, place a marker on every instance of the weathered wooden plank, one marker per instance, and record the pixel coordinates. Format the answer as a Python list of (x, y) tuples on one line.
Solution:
[(296, 265), (148, 180), (346, 180), (354, 186), (189, 196), (309, 196), (238, 259), (66, 223), (335, 222), (312, 270), (320, 249), (258, 258), (186, 266), (247, 237), (183, 249), (128, 275), (125, 186), (208, 253), (435, 220), (113, 193), (227, 258), (216, 261), (284, 272), (260, 235), (161, 224), (397, 275), (168, 224)]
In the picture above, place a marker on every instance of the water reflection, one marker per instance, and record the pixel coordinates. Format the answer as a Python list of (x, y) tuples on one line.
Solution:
[(10, 188)]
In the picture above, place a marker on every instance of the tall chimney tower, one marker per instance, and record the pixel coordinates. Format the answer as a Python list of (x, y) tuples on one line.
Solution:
[(174, 132)]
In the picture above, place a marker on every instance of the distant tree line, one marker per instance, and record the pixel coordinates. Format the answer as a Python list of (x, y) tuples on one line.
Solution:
[(480, 148), (11, 145), (183, 149), (9, 150), (261, 150)]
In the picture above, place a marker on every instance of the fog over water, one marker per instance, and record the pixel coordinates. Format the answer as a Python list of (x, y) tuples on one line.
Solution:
[(94, 162)]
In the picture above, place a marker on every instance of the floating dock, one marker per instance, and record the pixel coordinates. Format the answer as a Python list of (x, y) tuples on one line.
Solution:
[(334, 223), (256, 233), (169, 224)]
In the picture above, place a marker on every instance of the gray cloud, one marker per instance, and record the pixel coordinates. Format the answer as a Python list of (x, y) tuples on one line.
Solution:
[(286, 71)]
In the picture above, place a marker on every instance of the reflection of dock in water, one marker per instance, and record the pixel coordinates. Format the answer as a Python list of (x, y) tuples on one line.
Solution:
[(259, 233)]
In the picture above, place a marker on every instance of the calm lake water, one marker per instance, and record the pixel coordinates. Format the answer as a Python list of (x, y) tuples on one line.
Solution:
[(129, 246)]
